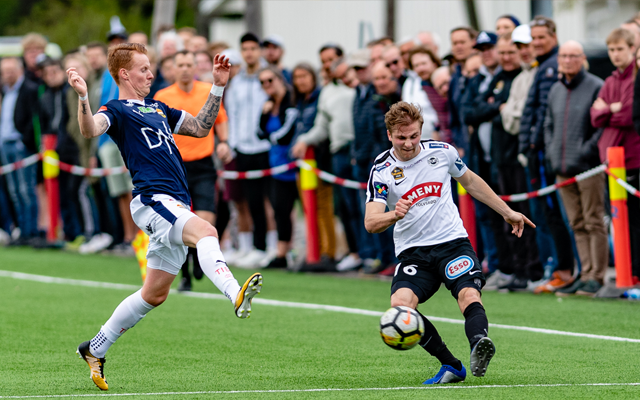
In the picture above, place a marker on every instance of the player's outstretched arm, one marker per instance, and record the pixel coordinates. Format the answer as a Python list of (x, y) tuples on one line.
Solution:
[(376, 220), (200, 125), (479, 189), (90, 125)]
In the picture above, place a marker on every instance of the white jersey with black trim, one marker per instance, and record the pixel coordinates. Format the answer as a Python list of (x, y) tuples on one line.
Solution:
[(433, 217)]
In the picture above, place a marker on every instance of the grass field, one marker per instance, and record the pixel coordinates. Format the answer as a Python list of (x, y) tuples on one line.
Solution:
[(195, 348)]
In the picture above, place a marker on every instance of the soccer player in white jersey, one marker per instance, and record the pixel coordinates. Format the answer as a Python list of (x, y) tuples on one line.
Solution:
[(413, 179), (143, 129)]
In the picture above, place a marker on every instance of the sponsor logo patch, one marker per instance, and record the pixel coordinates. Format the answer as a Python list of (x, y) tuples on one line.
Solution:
[(383, 166), (438, 146), (381, 190), (398, 173), (459, 164), (103, 108), (422, 191), (458, 267), (146, 110)]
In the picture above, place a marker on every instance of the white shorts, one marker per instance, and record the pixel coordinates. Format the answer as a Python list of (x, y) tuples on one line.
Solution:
[(162, 218)]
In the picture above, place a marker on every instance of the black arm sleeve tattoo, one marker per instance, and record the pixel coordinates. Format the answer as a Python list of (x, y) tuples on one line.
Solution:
[(200, 126)]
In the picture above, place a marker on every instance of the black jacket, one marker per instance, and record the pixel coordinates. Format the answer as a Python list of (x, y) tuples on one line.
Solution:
[(54, 116), (504, 146), (26, 114), (531, 123), (288, 115)]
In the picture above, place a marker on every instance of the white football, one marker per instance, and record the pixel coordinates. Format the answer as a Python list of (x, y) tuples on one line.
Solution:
[(401, 328)]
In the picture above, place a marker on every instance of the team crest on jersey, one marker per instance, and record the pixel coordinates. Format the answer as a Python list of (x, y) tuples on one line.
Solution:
[(422, 191), (383, 166), (398, 173), (146, 110), (159, 111), (433, 161), (458, 267), (438, 146), (382, 190)]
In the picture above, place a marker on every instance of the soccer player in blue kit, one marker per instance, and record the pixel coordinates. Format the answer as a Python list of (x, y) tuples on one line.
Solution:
[(143, 129), (413, 179)]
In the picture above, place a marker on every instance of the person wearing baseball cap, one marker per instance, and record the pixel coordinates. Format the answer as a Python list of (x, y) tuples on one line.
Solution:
[(273, 51), (512, 111)]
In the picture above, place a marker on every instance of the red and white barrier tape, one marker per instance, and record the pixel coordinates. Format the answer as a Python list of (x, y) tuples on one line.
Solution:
[(327, 177), (25, 162), (82, 171), (234, 175), (514, 198), (633, 191)]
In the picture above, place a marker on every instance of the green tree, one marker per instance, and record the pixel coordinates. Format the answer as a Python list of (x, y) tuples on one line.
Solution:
[(71, 23)]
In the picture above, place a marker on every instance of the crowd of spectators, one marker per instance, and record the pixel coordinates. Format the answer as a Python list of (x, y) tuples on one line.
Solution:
[(521, 108)]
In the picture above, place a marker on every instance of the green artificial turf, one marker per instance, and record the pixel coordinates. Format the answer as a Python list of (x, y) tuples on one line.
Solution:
[(197, 344)]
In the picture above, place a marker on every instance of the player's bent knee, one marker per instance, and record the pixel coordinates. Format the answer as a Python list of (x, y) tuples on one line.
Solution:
[(404, 297)]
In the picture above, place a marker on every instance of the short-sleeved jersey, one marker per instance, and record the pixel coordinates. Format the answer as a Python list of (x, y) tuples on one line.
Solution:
[(433, 218), (191, 148), (143, 131)]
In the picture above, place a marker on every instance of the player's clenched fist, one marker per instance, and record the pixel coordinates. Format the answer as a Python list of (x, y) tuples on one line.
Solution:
[(402, 208), (76, 82)]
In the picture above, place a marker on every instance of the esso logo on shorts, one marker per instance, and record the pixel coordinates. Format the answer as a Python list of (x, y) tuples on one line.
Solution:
[(458, 267)]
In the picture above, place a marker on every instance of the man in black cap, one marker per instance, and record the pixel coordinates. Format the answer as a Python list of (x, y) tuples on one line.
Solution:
[(480, 138)]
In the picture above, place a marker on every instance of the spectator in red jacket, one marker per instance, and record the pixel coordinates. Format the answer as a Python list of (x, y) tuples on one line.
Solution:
[(612, 111)]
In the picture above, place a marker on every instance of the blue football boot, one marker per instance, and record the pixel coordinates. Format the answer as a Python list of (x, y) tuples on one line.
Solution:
[(447, 374)]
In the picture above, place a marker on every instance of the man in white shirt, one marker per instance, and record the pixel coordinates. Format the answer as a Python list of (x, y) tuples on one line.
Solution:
[(414, 178)]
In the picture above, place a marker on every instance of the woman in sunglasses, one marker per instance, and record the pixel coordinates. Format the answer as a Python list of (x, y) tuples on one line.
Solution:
[(278, 125)]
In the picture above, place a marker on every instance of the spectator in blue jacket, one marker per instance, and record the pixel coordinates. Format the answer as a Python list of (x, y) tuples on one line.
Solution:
[(306, 93), (278, 124), (531, 137), (462, 41)]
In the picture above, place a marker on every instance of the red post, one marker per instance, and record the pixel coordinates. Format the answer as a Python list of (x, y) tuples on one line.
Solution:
[(308, 186), (468, 215), (620, 218), (50, 173)]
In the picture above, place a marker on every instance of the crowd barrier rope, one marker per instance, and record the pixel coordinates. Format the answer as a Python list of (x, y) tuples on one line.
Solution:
[(304, 164), (618, 190)]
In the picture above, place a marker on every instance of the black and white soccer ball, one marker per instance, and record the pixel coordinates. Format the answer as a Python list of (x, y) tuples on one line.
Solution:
[(401, 327)]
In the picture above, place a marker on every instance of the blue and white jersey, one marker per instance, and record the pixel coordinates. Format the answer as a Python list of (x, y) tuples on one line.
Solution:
[(143, 131)]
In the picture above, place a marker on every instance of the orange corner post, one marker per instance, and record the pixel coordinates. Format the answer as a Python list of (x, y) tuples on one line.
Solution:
[(468, 215), (620, 217), (50, 173), (308, 186)]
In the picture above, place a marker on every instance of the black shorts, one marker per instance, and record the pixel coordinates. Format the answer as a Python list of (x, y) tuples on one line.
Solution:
[(423, 269), (201, 180)]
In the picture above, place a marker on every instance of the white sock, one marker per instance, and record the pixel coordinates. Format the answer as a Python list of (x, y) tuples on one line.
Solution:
[(124, 317), (272, 240), (245, 241), (213, 265)]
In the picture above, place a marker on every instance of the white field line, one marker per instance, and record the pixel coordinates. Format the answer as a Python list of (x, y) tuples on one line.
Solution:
[(290, 304), (434, 387)]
